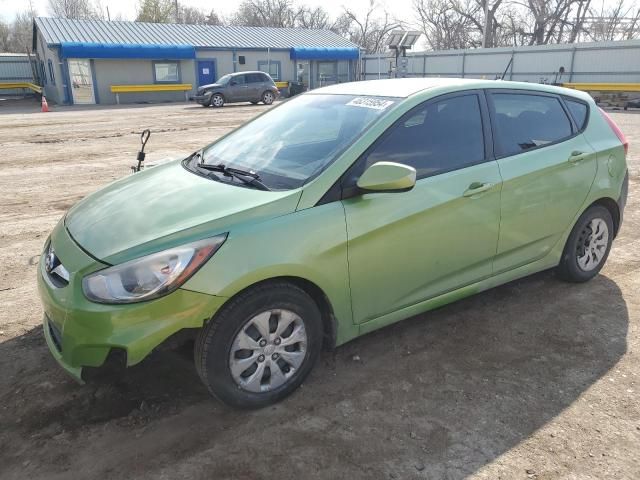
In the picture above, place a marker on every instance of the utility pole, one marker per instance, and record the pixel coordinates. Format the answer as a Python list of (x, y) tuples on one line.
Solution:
[(485, 34), (177, 12)]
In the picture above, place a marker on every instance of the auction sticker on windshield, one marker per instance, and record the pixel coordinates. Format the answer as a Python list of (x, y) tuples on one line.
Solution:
[(369, 102)]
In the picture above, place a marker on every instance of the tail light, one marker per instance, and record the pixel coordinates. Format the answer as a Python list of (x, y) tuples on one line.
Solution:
[(616, 130)]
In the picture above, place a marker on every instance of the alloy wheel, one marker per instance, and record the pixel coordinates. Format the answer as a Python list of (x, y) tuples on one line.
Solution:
[(268, 98)]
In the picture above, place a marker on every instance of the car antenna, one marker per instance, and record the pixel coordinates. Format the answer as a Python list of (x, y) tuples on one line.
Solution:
[(504, 74), (144, 138)]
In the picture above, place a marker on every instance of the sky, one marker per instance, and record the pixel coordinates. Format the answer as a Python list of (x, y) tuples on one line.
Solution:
[(127, 8)]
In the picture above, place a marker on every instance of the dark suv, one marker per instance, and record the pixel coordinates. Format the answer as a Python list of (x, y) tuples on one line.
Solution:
[(251, 87)]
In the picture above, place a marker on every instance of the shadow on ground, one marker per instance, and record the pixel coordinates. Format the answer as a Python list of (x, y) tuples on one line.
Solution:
[(436, 396)]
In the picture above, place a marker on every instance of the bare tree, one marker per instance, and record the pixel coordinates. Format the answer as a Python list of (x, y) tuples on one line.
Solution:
[(266, 13), (371, 30), (76, 9), (5, 34), (444, 27), (156, 11), (313, 18)]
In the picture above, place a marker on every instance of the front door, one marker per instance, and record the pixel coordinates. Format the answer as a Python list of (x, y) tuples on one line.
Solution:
[(405, 248), (547, 168), (81, 81), (238, 90), (206, 72)]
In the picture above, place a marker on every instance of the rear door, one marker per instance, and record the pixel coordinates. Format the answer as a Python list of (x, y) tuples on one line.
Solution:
[(547, 167), (255, 83), (405, 248)]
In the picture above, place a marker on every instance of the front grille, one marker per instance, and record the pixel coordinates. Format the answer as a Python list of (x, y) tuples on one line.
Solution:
[(56, 335), (53, 268)]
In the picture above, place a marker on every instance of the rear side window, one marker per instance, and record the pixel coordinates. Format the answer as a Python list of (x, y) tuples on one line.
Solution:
[(254, 78), (435, 138), (578, 111), (525, 121)]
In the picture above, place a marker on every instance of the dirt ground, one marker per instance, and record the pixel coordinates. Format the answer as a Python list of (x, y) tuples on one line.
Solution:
[(534, 379)]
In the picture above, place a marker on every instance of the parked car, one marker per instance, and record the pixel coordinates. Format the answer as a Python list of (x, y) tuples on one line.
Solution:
[(635, 103), (251, 87), (338, 212)]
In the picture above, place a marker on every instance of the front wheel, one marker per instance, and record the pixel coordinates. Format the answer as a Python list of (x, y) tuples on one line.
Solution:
[(261, 346), (217, 100), (268, 98), (588, 246)]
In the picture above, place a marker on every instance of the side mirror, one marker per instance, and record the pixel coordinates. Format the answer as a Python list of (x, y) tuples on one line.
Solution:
[(233, 83), (387, 177)]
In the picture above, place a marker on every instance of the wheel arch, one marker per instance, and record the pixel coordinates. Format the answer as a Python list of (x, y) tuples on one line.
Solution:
[(329, 323), (614, 209)]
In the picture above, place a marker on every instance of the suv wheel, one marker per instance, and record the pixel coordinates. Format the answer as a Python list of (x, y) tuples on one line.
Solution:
[(588, 246), (268, 98), (217, 100), (261, 346)]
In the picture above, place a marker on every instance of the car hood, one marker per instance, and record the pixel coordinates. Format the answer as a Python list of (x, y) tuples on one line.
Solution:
[(166, 206), (211, 85)]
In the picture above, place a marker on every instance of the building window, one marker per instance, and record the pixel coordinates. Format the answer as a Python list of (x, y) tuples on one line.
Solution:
[(43, 74), (272, 68), (166, 72), (327, 73), (52, 76)]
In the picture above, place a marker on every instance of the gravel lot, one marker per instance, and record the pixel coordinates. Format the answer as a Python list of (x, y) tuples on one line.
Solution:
[(534, 379)]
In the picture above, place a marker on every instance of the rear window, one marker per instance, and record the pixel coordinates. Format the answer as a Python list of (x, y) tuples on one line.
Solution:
[(578, 112), (526, 121)]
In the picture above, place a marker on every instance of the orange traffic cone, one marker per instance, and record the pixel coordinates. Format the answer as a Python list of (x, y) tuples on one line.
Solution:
[(45, 105)]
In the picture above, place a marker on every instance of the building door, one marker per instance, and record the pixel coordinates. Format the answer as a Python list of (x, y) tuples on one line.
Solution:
[(81, 81), (206, 72)]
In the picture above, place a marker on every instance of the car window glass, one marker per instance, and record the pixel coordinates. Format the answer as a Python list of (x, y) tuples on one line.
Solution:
[(438, 137), (578, 111), (525, 121), (239, 80), (254, 78)]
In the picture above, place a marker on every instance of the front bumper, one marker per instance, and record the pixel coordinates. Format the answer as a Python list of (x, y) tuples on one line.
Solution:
[(80, 333), (201, 99)]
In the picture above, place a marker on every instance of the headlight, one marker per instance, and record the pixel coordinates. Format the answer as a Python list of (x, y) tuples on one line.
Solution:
[(151, 276)]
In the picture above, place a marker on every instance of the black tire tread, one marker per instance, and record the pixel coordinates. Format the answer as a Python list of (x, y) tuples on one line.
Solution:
[(207, 333)]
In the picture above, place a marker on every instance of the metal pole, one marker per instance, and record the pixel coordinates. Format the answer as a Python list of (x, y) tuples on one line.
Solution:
[(485, 34)]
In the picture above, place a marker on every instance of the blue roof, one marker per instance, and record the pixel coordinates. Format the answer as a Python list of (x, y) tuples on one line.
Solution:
[(56, 31), (324, 53), (116, 50)]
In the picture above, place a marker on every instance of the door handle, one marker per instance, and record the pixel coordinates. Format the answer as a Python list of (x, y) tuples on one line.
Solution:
[(577, 156), (477, 187)]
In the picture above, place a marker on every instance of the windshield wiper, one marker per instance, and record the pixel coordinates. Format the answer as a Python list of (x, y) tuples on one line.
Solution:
[(249, 178)]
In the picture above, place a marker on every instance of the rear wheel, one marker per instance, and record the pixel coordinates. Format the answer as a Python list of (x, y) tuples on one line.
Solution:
[(588, 245), (268, 97), (217, 100), (261, 346)]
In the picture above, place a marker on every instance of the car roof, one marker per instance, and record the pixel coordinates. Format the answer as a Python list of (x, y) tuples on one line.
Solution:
[(405, 87), (235, 74)]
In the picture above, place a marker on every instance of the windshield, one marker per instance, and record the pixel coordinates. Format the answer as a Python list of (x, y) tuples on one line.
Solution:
[(224, 80), (294, 142)]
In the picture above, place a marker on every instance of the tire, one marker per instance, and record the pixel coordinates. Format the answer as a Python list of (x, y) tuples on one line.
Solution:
[(588, 246), (232, 356), (268, 97), (217, 100)]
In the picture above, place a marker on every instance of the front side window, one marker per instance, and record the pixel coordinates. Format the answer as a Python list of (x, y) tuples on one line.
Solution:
[(166, 72), (238, 80), (295, 141), (435, 138), (526, 121)]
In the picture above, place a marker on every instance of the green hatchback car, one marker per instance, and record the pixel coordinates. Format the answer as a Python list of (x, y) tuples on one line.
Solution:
[(331, 215)]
